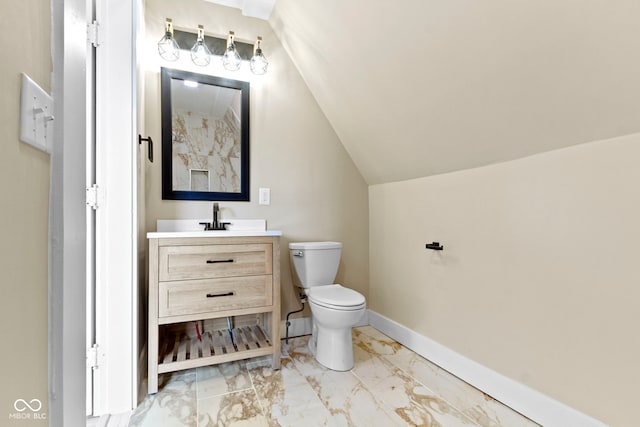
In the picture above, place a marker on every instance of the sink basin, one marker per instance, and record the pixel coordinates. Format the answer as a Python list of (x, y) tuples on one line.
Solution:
[(173, 225)]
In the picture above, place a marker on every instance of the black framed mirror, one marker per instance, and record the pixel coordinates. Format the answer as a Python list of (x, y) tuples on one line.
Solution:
[(205, 137)]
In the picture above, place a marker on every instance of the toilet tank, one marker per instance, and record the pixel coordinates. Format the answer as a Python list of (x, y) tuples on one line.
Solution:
[(315, 263)]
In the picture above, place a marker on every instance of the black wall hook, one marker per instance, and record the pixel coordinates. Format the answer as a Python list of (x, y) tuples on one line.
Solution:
[(436, 246), (150, 149)]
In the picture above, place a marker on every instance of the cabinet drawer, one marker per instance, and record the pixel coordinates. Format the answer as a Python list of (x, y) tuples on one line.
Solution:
[(200, 262), (204, 296)]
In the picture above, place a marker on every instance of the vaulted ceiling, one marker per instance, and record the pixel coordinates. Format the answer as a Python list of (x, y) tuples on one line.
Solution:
[(421, 87)]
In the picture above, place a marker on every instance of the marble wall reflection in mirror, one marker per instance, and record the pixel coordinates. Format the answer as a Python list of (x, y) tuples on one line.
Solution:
[(205, 137)]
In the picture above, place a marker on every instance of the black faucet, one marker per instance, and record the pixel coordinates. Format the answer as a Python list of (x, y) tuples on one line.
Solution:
[(215, 225)]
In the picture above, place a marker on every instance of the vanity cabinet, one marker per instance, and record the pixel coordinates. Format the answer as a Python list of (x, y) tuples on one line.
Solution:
[(196, 282)]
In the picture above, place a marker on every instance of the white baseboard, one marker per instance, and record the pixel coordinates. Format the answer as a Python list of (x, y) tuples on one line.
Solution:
[(302, 325), (532, 404)]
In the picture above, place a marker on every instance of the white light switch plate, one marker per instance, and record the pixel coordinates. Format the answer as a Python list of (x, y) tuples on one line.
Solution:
[(265, 196), (36, 115)]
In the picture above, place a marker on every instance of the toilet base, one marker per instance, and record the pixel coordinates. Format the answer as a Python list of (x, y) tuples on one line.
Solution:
[(334, 349)]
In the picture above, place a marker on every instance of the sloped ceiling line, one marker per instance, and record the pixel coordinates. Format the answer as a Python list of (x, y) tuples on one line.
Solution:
[(431, 87), (254, 8)]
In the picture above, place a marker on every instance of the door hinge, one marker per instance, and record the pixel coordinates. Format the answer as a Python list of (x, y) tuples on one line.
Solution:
[(93, 33), (92, 196), (92, 357)]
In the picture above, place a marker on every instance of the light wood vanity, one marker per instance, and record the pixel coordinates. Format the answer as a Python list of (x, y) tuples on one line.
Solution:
[(203, 278)]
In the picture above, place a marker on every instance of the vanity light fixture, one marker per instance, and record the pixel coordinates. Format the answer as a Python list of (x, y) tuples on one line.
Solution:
[(200, 53), (229, 49), (231, 59), (258, 63), (167, 46)]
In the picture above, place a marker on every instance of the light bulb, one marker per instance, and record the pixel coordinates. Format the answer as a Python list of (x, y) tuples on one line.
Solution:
[(258, 63), (231, 59), (167, 46), (200, 53)]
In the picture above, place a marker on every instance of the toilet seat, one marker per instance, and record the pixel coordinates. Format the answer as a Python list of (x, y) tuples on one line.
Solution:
[(336, 297)]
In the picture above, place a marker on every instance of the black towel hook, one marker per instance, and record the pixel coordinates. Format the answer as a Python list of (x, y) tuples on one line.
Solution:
[(150, 146), (436, 246)]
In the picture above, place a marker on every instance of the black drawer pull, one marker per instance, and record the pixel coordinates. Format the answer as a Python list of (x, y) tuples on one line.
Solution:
[(226, 294), (216, 261)]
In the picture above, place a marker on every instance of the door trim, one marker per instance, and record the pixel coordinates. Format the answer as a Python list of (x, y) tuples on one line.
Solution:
[(116, 218)]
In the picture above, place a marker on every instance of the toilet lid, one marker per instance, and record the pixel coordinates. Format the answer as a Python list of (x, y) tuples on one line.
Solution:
[(336, 295), (315, 245)]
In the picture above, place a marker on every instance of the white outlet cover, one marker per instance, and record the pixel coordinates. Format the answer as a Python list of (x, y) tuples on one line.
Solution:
[(264, 196), (36, 115)]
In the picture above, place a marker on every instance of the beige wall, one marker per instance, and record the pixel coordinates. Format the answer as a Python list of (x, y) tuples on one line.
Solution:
[(539, 275), (316, 191), (24, 188)]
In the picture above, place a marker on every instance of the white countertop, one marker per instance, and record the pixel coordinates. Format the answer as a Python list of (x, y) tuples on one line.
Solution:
[(180, 228), (223, 233)]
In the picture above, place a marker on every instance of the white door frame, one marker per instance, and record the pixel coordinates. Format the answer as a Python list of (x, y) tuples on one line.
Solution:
[(90, 179), (117, 275), (67, 215)]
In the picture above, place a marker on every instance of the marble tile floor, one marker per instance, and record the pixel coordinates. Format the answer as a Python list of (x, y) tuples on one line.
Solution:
[(388, 386)]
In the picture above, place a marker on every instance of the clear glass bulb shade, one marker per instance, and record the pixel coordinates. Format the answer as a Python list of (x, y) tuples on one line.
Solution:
[(200, 54), (231, 59), (258, 63), (168, 48)]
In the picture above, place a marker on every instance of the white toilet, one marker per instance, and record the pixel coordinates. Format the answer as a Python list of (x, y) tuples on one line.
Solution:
[(334, 308)]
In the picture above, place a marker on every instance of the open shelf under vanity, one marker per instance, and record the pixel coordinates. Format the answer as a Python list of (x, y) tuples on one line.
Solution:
[(178, 350)]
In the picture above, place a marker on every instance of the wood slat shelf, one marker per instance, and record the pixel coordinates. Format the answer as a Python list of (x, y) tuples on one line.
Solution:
[(180, 351)]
